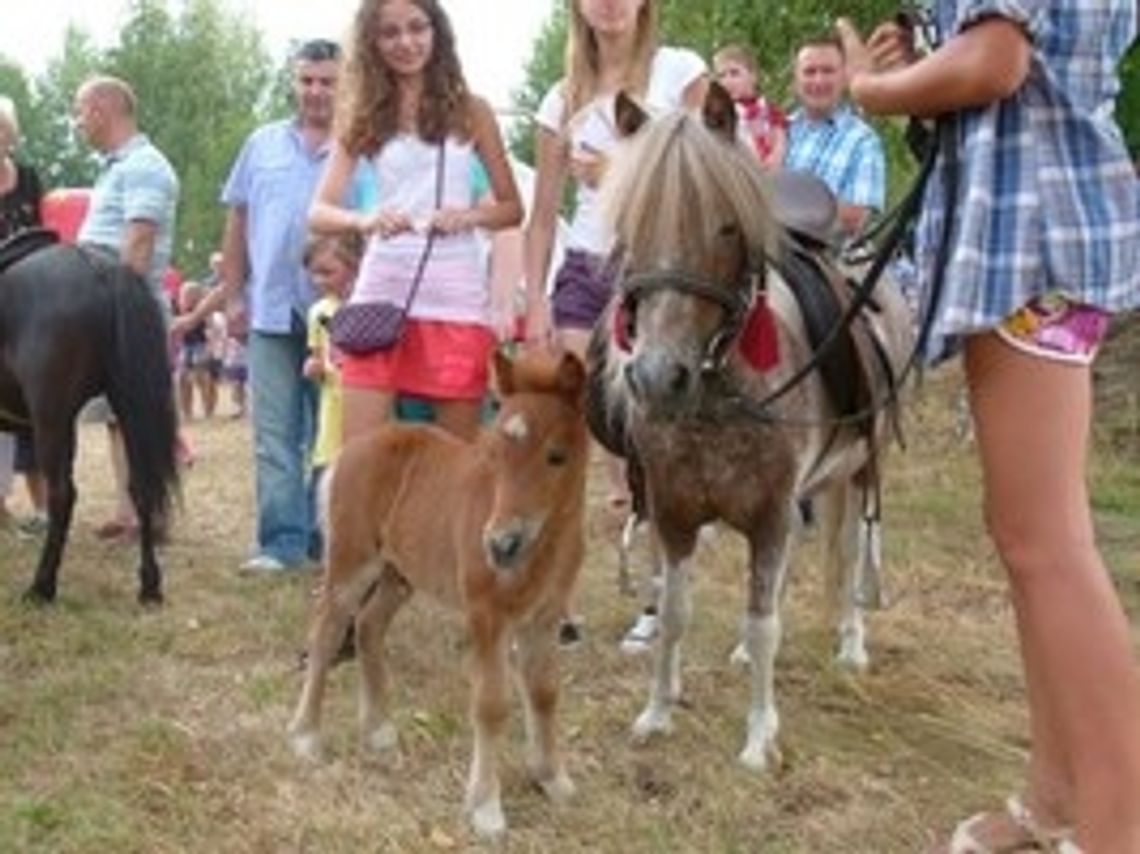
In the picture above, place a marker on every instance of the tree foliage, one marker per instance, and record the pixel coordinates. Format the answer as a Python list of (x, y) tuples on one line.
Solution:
[(774, 29), (203, 79)]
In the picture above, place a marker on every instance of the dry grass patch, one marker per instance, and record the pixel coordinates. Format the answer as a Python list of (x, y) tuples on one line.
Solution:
[(125, 730)]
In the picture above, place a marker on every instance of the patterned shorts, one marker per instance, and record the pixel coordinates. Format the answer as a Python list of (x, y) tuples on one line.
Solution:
[(1056, 327)]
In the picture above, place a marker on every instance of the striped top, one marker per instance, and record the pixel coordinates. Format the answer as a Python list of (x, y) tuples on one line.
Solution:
[(1047, 198), (454, 286), (844, 152)]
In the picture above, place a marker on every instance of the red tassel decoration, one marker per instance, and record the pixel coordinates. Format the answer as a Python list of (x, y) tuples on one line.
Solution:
[(759, 340)]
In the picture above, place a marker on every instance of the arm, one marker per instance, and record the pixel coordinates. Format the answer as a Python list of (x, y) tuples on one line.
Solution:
[(137, 250), (328, 215), (233, 272), (504, 210), (550, 176), (983, 64)]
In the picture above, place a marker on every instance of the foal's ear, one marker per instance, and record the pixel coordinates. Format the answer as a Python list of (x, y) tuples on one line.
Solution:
[(719, 112), (572, 377), (503, 369), (628, 115)]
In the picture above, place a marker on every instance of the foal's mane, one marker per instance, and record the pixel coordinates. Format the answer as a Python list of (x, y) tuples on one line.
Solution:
[(676, 185)]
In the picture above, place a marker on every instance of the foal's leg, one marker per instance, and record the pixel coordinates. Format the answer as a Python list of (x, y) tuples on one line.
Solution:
[(538, 669), (841, 511), (675, 609), (489, 709), (390, 594), (338, 602), (762, 628), (56, 444)]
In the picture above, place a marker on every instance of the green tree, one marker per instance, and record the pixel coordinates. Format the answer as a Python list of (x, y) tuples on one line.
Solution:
[(1128, 104)]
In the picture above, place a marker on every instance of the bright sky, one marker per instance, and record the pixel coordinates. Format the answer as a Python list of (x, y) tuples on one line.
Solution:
[(494, 36)]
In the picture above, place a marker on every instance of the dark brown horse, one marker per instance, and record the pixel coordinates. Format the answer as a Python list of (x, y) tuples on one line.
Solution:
[(705, 330), (75, 324)]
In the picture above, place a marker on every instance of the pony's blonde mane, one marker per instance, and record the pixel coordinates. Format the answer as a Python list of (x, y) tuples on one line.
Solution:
[(675, 185)]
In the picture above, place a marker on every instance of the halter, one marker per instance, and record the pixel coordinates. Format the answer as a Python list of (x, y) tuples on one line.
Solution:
[(736, 300)]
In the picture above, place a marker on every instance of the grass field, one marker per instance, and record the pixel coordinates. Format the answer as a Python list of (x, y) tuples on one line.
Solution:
[(123, 730)]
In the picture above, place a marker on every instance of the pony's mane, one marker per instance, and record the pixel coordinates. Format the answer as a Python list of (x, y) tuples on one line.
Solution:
[(675, 185)]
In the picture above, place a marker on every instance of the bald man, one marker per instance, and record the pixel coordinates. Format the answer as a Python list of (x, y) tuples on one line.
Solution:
[(131, 216)]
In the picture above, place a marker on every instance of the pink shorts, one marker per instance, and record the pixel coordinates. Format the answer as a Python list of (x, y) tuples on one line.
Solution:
[(1056, 327), (434, 359)]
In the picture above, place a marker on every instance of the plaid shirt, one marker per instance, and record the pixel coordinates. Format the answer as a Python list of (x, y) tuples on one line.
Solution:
[(844, 152), (1047, 198)]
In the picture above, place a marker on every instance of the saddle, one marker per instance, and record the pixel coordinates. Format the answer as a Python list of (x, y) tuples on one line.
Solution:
[(23, 243)]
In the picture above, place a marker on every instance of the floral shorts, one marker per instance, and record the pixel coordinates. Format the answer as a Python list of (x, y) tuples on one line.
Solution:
[(1055, 326)]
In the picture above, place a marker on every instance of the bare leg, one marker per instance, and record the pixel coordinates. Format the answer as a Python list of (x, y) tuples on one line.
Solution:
[(365, 410), (1032, 418), (459, 417)]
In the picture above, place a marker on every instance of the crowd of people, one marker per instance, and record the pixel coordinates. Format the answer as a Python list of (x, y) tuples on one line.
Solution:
[(377, 189)]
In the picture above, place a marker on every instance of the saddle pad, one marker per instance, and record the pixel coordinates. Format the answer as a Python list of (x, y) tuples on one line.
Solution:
[(23, 243)]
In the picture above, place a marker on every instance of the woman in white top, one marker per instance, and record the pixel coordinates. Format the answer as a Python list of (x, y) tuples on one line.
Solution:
[(406, 109), (612, 47)]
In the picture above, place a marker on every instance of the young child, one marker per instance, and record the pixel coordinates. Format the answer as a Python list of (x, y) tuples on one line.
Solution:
[(332, 262), (1037, 238), (199, 358), (767, 126), (405, 108)]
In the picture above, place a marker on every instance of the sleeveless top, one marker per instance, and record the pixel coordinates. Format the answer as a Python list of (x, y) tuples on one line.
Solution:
[(454, 285)]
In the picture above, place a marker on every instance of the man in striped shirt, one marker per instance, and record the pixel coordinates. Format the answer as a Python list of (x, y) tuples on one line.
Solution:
[(828, 139)]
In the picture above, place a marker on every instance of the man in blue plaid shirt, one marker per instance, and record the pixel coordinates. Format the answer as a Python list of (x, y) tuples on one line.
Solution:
[(827, 138)]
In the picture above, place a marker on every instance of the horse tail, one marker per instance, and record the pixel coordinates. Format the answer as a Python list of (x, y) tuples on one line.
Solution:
[(141, 391)]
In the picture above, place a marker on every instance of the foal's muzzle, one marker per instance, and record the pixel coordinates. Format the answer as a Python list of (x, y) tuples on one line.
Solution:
[(506, 547)]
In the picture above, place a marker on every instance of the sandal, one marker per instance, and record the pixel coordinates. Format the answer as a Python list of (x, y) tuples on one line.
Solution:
[(1033, 835)]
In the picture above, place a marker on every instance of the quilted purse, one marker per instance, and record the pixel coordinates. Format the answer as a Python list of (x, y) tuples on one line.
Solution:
[(368, 327)]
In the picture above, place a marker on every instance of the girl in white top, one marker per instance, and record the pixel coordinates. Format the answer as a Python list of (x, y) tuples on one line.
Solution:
[(404, 98), (612, 47)]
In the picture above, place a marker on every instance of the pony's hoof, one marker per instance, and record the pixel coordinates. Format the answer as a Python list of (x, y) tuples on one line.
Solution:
[(151, 598), (382, 740), (487, 819), (559, 788), (653, 721), (853, 658), (38, 597), (739, 656), (759, 756), (306, 745)]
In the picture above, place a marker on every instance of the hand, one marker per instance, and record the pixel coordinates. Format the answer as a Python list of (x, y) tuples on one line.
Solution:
[(503, 321), (386, 223), (588, 166), (892, 47), (539, 330), (313, 369), (451, 221), (858, 56)]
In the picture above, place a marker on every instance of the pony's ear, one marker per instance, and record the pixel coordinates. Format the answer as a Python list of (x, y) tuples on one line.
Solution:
[(719, 112), (572, 377), (628, 115), (503, 369)]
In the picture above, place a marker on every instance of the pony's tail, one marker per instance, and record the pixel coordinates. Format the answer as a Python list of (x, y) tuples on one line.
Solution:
[(141, 392)]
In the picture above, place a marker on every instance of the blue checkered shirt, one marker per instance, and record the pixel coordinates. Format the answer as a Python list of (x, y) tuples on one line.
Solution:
[(1047, 198), (844, 152)]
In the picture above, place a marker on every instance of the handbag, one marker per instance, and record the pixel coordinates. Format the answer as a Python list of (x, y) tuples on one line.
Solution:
[(370, 327)]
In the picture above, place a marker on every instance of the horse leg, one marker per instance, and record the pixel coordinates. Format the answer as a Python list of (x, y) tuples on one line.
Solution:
[(490, 699), (842, 528), (675, 608), (56, 444), (390, 594), (334, 612), (768, 564), (538, 671)]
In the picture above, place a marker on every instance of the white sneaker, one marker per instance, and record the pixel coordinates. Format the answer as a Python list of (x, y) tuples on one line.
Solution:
[(639, 638), (263, 564)]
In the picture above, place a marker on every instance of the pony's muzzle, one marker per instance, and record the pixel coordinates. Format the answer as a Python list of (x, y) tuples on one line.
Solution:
[(660, 383), (504, 548)]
